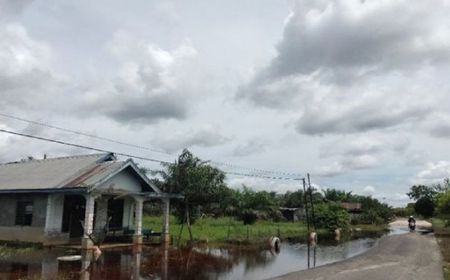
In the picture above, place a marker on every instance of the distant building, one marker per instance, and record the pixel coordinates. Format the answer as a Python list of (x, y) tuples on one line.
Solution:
[(293, 214), (64, 200), (352, 207)]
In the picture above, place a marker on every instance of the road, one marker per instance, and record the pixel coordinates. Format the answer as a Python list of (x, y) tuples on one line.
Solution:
[(406, 256)]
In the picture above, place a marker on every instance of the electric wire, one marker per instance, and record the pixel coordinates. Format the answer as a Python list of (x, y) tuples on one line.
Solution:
[(128, 155), (216, 163)]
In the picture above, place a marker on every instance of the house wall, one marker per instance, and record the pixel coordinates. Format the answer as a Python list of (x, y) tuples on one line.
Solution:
[(101, 213), (9, 231), (125, 180), (53, 220)]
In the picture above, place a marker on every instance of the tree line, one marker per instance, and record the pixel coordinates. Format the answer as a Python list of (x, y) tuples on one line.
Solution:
[(431, 200), (206, 193)]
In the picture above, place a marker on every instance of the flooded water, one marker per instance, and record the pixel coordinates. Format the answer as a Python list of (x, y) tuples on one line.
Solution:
[(203, 262)]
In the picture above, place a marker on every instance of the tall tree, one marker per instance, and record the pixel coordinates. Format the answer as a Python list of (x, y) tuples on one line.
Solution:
[(199, 182)]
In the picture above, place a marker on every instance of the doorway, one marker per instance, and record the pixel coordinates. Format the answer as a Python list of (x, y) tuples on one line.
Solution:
[(115, 213), (73, 215)]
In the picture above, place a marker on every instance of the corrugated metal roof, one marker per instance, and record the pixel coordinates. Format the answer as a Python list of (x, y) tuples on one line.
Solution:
[(63, 172)]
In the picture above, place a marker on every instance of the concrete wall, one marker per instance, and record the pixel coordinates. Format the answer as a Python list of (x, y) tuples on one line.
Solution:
[(9, 231), (24, 234), (8, 204)]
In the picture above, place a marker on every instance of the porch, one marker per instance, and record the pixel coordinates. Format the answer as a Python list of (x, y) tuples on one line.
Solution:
[(84, 220)]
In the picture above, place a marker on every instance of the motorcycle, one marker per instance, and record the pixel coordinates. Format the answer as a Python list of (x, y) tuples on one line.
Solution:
[(412, 225)]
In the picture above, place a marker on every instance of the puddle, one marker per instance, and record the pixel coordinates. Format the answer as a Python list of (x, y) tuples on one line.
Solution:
[(231, 262)]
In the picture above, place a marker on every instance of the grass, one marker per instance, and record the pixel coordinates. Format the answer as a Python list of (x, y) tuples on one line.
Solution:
[(442, 232), (9, 251), (226, 229)]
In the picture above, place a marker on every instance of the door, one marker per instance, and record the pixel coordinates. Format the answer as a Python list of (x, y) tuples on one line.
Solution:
[(115, 213), (73, 215)]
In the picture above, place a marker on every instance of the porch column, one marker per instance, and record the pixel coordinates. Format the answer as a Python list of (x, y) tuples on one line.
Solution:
[(88, 221), (139, 202), (166, 213)]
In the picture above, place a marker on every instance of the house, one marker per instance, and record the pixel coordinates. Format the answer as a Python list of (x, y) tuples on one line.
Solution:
[(62, 200)]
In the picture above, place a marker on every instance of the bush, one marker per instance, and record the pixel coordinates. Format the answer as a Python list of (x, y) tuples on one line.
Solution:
[(443, 203), (331, 216), (424, 206)]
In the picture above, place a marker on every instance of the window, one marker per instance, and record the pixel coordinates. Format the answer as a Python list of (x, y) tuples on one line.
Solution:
[(24, 213)]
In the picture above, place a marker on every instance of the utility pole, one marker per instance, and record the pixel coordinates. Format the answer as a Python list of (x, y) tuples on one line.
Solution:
[(305, 200), (312, 203)]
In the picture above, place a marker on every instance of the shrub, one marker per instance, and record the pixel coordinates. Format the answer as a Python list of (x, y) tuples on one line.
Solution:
[(331, 216)]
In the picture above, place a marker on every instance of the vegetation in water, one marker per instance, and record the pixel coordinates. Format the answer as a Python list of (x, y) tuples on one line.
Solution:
[(9, 251)]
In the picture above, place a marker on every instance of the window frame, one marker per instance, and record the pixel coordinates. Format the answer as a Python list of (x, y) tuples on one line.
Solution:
[(24, 213)]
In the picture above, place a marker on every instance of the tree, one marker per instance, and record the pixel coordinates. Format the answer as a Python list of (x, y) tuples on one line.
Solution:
[(419, 191), (200, 183), (424, 206), (338, 195), (443, 203)]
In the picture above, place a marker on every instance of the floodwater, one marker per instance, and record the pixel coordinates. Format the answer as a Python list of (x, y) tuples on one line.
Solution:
[(201, 262)]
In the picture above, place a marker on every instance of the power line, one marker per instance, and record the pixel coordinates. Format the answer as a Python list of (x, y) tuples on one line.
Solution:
[(125, 154), (217, 163), (79, 146), (82, 133)]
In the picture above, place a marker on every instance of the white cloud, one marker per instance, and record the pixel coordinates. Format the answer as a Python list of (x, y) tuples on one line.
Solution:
[(369, 190), (434, 172), (206, 136)]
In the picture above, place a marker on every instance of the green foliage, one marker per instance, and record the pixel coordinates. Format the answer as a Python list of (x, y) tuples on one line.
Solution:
[(443, 203), (419, 191), (331, 216), (404, 211), (255, 204), (200, 183), (292, 199), (424, 206), (338, 195)]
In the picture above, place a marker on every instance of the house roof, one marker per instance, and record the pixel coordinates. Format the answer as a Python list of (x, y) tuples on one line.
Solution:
[(83, 171)]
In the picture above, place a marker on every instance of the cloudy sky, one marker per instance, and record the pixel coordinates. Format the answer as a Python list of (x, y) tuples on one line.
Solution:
[(354, 92)]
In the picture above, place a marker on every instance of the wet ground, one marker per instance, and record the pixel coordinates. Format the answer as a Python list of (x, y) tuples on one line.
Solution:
[(413, 255), (203, 262)]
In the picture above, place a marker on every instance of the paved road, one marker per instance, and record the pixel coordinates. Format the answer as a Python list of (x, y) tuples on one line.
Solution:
[(405, 256)]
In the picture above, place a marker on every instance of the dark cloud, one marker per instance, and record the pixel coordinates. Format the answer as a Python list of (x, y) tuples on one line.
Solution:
[(145, 110), (149, 85), (366, 116)]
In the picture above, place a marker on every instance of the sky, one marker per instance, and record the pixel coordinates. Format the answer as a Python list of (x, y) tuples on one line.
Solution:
[(355, 93)]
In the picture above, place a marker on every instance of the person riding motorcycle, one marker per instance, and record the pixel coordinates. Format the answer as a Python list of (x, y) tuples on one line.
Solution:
[(411, 223)]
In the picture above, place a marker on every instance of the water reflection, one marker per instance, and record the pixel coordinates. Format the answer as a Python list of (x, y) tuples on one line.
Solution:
[(202, 262)]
